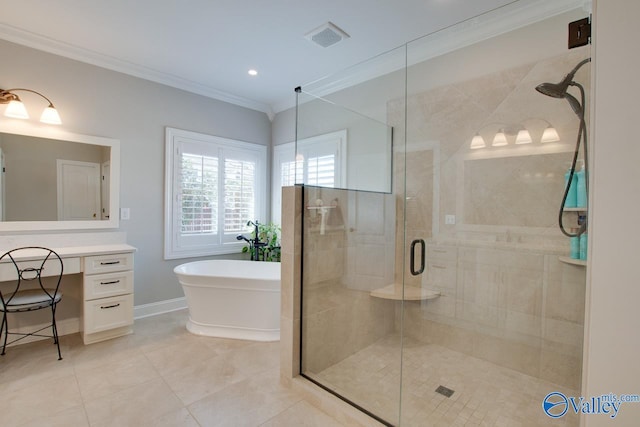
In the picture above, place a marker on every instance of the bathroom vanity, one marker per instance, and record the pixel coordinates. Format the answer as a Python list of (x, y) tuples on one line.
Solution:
[(61, 191), (107, 287)]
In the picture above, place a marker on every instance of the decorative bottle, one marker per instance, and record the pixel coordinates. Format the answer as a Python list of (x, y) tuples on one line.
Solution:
[(571, 201), (574, 251), (581, 192), (583, 246)]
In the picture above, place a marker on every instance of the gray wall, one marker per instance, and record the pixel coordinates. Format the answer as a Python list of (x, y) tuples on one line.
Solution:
[(96, 101)]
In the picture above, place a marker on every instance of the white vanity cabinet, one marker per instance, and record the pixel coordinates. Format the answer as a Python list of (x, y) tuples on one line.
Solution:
[(107, 308)]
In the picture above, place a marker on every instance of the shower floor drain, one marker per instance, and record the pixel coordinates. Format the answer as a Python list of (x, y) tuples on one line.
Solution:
[(445, 391)]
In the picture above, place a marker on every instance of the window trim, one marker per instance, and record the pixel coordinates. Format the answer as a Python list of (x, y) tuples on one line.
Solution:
[(174, 137)]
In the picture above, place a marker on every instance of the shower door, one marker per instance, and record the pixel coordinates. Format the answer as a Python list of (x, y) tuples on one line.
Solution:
[(499, 323), (352, 230), (435, 284)]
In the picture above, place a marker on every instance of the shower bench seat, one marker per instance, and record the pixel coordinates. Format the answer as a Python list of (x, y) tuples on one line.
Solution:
[(411, 293)]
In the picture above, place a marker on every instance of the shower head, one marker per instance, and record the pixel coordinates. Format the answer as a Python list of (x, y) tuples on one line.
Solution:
[(559, 90), (554, 90)]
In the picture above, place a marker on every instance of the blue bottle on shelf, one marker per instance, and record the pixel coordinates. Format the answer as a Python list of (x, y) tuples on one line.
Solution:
[(583, 246), (574, 248), (581, 190), (571, 201)]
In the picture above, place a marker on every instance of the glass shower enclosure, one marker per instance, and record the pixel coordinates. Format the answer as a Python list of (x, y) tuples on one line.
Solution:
[(437, 288)]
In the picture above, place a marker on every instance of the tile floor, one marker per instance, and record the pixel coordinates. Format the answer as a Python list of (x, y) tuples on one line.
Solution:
[(485, 394), (164, 376), (159, 376)]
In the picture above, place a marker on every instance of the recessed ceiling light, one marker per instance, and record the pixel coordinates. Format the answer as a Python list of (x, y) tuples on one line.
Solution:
[(253, 72)]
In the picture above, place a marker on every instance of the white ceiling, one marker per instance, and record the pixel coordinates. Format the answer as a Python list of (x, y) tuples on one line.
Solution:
[(207, 46)]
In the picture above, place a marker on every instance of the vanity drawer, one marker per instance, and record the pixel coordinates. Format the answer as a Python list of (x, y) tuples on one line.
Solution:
[(441, 275), (108, 285), (108, 313), (69, 266), (108, 263), (442, 253)]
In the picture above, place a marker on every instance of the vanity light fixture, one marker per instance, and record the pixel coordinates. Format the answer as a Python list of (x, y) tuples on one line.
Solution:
[(524, 137), (17, 110), (520, 132), (477, 142), (550, 134), (500, 139)]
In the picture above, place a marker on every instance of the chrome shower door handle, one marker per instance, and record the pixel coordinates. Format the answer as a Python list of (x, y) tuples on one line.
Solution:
[(412, 260)]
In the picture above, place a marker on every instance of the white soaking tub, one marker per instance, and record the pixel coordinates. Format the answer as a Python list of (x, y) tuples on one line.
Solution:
[(232, 298)]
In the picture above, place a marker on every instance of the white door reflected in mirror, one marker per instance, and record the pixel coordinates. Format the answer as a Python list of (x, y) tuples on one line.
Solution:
[(78, 190)]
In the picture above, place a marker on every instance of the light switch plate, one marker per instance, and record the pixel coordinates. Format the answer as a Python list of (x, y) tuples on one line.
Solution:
[(124, 213), (449, 219)]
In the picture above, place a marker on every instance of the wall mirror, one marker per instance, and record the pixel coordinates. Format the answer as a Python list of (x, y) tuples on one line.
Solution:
[(56, 180), (489, 182)]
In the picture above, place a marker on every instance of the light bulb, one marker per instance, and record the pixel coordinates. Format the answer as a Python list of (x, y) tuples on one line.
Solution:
[(550, 135), (499, 140), (16, 110), (50, 116), (477, 142), (524, 137)]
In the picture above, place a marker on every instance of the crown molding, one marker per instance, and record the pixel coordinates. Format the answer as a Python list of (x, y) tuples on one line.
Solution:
[(36, 41), (493, 23)]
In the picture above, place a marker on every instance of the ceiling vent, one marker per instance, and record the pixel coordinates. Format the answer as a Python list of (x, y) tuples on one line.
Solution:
[(326, 35)]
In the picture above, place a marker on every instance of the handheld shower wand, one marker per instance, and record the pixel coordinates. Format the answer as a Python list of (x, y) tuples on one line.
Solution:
[(559, 90)]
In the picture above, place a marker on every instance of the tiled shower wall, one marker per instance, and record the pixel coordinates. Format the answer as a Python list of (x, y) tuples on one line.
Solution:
[(342, 262), (505, 296), (519, 309)]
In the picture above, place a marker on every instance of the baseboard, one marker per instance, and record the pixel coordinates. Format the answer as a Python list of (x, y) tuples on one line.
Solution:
[(160, 307), (72, 325)]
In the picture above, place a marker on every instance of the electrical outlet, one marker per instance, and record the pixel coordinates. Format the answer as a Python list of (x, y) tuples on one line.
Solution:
[(124, 213), (450, 219)]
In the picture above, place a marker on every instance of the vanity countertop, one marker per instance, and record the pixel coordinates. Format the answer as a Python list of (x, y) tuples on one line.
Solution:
[(80, 251)]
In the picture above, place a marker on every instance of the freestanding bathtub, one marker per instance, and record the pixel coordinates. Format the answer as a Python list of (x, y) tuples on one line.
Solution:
[(232, 298)]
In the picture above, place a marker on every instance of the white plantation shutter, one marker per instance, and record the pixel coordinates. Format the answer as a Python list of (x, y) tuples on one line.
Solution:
[(239, 194), (287, 174), (321, 171), (199, 194), (322, 162), (215, 185)]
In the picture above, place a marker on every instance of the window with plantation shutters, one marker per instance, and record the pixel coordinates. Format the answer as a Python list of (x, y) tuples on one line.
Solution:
[(287, 173), (321, 171), (239, 194), (199, 194), (214, 187), (319, 161)]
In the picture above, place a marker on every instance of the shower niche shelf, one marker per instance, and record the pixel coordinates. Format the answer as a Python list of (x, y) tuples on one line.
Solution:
[(411, 293), (573, 261)]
